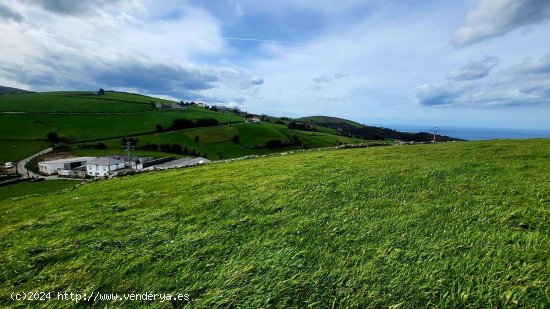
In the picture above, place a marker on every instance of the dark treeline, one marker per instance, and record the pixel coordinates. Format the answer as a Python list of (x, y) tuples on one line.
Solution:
[(293, 125), (172, 148), (293, 141), (181, 123)]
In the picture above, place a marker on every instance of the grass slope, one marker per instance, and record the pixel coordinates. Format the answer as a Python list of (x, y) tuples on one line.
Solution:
[(14, 150), (369, 132), (92, 127), (76, 102), (216, 142), (34, 188), (446, 225), (9, 90), (325, 121)]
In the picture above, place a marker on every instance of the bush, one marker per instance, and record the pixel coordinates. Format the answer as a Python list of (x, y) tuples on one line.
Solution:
[(93, 146), (274, 143), (165, 148), (148, 146), (236, 138), (293, 125), (124, 140), (176, 148), (207, 122), (53, 137), (180, 124)]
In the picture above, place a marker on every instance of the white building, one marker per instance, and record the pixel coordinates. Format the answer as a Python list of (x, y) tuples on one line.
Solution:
[(102, 166), (253, 119), (53, 167)]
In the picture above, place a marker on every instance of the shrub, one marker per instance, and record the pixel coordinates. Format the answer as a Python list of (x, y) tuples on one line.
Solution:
[(53, 137), (274, 143)]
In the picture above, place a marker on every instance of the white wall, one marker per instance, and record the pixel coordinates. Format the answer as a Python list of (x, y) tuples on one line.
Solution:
[(102, 170), (49, 168)]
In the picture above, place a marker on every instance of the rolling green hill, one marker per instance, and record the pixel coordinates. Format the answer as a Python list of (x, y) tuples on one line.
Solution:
[(84, 118), (369, 132), (9, 90), (330, 122), (217, 142), (446, 225)]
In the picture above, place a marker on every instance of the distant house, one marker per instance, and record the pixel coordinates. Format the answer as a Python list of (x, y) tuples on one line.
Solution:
[(54, 166), (102, 166), (253, 119), (201, 105)]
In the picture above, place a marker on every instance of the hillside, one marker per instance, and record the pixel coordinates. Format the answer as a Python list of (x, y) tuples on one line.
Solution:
[(369, 132), (9, 90), (447, 225), (92, 124), (330, 122)]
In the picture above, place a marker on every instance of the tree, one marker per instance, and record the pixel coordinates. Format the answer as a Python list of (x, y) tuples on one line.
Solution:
[(274, 143), (133, 141), (176, 148), (180, 123), (53, 137), (101, 91)]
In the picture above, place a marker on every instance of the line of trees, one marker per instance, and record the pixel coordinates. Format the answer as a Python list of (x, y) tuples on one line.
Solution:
[(172, 148), (182, 123), (293, 125), (277, 143)]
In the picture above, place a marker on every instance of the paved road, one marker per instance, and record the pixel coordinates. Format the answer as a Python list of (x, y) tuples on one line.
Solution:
[(25, 173)]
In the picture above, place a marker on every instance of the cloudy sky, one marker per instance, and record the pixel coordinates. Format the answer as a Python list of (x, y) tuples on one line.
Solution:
[(473, 63)]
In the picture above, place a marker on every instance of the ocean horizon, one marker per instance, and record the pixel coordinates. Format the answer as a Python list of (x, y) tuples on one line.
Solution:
[(469, 133)]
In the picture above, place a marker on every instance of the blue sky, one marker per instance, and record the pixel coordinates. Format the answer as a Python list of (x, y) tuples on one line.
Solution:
[(476, 63)]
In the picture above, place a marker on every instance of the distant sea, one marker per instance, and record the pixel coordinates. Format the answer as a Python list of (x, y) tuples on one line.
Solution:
[(476, 133)]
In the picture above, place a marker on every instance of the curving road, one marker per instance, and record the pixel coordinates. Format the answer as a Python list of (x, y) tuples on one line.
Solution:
[(26, 173)]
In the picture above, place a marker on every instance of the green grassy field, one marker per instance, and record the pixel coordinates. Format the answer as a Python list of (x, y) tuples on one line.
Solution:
[(448, 225), (34, 188), (88, 127), (325, 120), (216, 142), (76, 101), (15, 150), (83, 117)]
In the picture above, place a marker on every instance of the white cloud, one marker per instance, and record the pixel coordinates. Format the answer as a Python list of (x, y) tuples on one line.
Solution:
[(524, 84), (494, 18), (132, 47), (474, 69)]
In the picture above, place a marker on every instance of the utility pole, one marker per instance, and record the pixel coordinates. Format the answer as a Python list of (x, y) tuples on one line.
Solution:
[(128, 147)]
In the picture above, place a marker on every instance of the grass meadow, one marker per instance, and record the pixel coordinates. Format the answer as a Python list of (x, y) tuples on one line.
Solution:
[(94, 126), (76, 102), (462, 224), (34, 188), (217, 142)]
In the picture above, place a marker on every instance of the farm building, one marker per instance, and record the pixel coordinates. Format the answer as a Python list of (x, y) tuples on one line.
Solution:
[(102, 166), (253, 119), (53, 167), (181, 163)]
